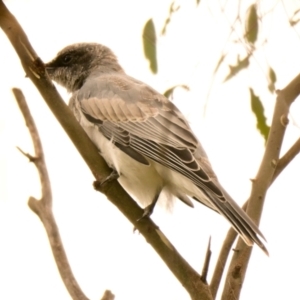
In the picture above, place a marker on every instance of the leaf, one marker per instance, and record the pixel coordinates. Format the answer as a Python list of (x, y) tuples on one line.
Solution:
[(241, 64), (172, 10), (149, 42), (251, 25), (272, 80), (258, 110), (169, 92)]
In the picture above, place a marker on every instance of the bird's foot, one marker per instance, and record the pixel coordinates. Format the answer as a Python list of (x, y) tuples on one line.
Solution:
[(148, 210), (112, 176)]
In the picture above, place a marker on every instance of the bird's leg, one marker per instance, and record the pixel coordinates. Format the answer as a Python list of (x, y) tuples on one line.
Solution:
[(112, 176), (148, 210)]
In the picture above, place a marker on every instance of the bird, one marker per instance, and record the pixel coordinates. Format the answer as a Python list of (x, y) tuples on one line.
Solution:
[(142, 136)]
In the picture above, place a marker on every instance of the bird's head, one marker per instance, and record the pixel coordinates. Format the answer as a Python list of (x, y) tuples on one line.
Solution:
[(75, 63)]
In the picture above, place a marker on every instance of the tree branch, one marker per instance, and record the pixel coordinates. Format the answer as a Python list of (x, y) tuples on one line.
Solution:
[(43, 207), (286, 159), (35, 70), (223, 257), (238, 266), (232, 234)]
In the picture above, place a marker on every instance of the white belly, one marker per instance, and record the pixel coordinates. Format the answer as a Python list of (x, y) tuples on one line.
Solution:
[(143, 182)]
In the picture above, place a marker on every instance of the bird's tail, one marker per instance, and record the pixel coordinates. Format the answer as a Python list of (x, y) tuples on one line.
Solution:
[(240, 221)]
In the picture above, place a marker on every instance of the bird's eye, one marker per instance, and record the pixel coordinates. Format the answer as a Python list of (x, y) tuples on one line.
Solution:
[(67, 59)]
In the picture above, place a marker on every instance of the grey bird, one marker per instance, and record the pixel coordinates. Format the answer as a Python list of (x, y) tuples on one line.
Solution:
[(142, 136)]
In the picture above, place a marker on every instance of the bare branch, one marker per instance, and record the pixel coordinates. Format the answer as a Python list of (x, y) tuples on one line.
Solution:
[(206, 262), (286, 159), (238, 266), (35, 70), (29, 156), (43, 207), (232, 234), (223, 257)]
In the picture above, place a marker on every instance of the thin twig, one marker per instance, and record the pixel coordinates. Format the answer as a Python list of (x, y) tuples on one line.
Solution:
[(223, 257), (286, 159), (29, 156), (206, 262), (43, 207)]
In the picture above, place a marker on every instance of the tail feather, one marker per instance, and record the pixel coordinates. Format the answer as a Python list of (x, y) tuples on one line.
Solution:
[(239, 220), (242, 223)]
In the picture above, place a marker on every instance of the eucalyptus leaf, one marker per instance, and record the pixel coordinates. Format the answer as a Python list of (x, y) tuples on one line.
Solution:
[(149, 42), (240, 65), (251, 25), (259, 112), (169, 92)]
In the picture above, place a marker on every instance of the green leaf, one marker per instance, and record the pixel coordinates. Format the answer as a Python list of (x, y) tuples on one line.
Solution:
[(272, 80), (149, 42), (258, 110), (169, 92), (251, 25), (241, 64)]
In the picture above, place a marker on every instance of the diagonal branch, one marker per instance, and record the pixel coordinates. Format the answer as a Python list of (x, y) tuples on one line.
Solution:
[(238, 266), (232, 234), (223, 258), (286, 159), (35, 70), (43, 207)]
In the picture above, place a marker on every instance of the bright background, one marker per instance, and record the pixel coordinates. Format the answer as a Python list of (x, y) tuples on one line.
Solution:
[(103, 250)]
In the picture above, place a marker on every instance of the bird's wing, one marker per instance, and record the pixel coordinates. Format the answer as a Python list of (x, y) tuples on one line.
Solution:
[(143, 123)]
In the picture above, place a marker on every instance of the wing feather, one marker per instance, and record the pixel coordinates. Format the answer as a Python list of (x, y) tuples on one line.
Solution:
[(147, 123)]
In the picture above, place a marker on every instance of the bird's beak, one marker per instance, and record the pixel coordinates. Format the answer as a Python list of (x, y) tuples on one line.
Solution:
[(49, 69)]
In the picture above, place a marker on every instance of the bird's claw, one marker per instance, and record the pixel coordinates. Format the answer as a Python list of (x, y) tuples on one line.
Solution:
[(148, 210), (112, 176)]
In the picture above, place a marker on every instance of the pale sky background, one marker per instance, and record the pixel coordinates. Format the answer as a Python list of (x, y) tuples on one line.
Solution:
[(103, 251)]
